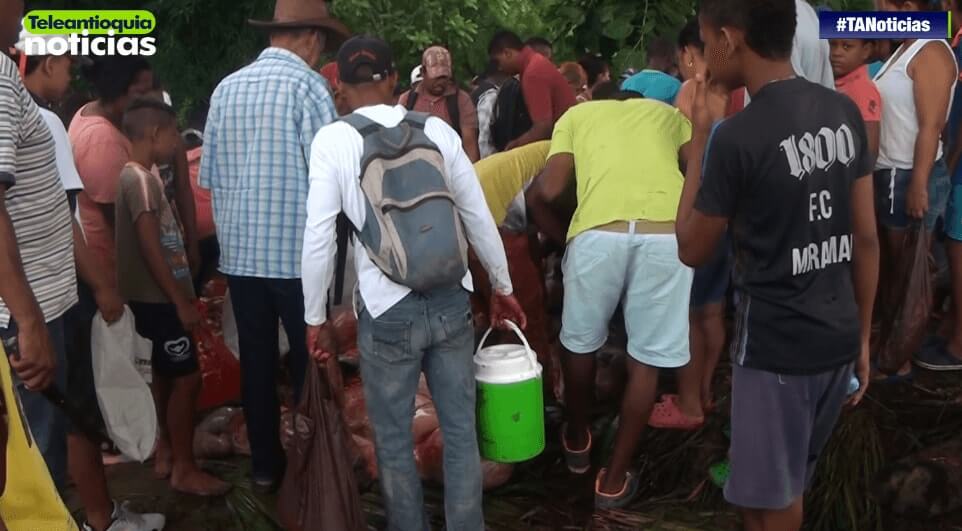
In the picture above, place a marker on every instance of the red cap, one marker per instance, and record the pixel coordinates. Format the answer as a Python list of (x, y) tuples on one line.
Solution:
[(329, 71)]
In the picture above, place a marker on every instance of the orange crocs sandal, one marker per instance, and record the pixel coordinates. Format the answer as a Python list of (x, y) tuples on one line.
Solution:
[(666, 415)]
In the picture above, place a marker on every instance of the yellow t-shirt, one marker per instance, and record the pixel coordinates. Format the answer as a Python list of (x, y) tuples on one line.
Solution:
[(626, 160), (30, 501), (504, 175)]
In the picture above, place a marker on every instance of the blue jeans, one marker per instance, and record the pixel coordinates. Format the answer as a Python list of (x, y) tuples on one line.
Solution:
[(432, 332), (891, 190), (47, 423), (257, 304)]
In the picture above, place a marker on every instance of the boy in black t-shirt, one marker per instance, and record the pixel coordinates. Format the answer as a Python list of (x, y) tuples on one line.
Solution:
[(788, 174)]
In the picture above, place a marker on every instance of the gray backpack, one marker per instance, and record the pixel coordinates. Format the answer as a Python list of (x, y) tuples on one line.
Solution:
[(412, 230)]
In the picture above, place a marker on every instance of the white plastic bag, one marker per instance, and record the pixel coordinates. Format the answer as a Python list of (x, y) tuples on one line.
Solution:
[(122, 391)]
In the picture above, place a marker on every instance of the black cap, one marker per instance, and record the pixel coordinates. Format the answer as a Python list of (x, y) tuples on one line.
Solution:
[(364, 59)]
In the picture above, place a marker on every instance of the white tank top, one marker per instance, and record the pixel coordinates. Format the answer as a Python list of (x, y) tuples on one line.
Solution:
[(900, 126)]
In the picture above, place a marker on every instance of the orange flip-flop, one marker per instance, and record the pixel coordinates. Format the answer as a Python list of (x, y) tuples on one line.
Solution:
[(667, 415), (622, 498), (578, 461)]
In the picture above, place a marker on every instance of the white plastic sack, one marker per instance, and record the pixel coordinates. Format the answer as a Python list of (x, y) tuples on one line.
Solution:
[(122, 391)]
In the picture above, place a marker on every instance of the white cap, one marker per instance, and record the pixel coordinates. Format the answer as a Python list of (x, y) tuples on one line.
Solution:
[(416, 76), (21, 45)]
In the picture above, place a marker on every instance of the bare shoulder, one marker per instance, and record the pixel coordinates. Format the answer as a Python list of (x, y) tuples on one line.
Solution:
[(935, 60)]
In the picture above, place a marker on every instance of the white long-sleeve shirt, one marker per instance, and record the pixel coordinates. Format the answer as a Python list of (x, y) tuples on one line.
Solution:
[(335, 168)]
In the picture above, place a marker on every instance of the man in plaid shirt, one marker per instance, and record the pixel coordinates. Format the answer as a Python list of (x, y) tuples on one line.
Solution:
[(260, 126)]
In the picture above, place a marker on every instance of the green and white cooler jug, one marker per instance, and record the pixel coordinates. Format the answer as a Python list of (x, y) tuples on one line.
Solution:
[(510, 401)]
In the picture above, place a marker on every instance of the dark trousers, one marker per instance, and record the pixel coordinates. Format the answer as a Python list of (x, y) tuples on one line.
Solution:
[(258, 303)]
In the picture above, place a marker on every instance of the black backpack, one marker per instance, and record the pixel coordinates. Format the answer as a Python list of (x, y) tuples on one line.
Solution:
[(511, 118), (484, 86), (454, 112)]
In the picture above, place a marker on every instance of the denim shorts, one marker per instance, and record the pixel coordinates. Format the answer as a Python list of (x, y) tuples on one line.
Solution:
[(712, 279), (891, 189), (953, 215), (47, 422), (642, 272)]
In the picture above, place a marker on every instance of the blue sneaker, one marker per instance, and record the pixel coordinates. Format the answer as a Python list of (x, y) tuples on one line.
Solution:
[(938, 359)]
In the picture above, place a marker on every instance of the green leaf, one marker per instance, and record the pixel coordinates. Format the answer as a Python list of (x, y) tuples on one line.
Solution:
[(618, 29)]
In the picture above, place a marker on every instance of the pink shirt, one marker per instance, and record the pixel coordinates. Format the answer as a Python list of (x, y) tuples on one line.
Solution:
[(736, 102), (100, 151), (862, 90)]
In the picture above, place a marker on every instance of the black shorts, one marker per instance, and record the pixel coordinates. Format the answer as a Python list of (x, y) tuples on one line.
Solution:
[(173, 353), (81, 387)]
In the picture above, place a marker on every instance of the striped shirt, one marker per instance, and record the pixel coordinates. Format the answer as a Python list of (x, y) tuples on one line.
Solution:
[(35, 198), (486, 105), (257, 146)]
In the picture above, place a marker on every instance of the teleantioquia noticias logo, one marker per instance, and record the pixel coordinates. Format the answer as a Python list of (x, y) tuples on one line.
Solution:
[(96, 33)]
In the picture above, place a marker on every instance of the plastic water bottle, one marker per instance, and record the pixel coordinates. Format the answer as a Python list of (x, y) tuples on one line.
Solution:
[(853, 385)]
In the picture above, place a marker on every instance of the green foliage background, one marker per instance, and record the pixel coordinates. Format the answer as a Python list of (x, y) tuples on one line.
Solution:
[(201, 41)]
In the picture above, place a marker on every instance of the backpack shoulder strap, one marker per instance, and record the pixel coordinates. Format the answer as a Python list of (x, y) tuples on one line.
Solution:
[(343, 229), (412, 100), (454, 111), (416, 119), (483, 87), (364, 125)]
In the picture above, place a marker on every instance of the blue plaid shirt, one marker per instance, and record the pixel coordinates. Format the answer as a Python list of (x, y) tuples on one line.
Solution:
[(257, 147)]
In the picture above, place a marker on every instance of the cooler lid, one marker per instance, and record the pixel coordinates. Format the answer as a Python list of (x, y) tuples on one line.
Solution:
[(510, 363), (503, 364)]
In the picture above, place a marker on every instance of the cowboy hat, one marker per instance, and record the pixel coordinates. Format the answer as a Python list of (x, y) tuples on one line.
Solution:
[(295, 14)]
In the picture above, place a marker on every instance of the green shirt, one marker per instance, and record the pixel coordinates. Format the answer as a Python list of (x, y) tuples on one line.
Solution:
[(626, 160), (505, 175)]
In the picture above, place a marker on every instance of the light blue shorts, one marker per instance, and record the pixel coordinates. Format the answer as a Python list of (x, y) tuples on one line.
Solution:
[(643, 273)]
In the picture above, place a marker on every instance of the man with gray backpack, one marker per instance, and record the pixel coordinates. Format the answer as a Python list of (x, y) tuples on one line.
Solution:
[(414, 203)]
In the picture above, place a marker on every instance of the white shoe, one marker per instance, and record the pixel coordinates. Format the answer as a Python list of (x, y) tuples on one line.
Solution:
[(126, 520)]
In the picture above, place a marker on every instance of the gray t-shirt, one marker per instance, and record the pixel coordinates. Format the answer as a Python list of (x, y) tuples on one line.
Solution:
[(140, 192), (35, 199)]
